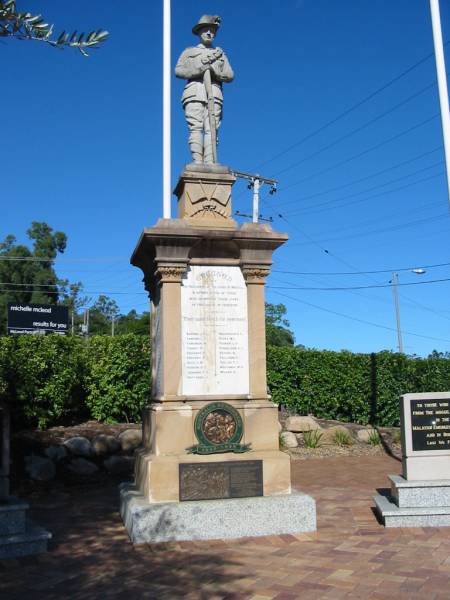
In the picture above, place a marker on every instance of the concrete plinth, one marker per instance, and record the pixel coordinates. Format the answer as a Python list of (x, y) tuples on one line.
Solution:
[(215, 519), (415, 503)]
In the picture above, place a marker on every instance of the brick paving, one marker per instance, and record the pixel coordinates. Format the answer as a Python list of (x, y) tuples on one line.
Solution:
[(350, 556)]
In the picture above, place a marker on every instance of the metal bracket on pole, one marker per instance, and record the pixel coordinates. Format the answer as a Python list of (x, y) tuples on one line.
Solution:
[(255, 182)]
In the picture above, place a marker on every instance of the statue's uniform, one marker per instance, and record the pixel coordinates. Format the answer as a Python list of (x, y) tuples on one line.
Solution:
[(191, 66)]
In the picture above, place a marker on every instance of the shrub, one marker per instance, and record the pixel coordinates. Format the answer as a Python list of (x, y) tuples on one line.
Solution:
[(45, 378), (118, 377), (312, 438), (342, 438), (374, 438)]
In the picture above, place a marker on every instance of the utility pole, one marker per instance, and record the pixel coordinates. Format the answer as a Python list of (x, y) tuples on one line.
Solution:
[(112, 326), (255, 182), (397, 312), (73, 324), (442, 85)]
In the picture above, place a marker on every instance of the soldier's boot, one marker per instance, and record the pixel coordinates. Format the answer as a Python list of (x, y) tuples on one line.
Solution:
[(196, 146)]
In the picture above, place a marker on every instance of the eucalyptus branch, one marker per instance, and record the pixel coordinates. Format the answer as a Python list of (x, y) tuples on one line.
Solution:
[(25, 26)]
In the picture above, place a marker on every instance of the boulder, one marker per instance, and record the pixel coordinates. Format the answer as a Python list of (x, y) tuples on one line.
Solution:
[(117, 465), (79, 446), (130, 439), (288, 439), (280, 427), (300, 424), (105, 444), (363, 435), (40, 468), (81, 466), (56, 453)]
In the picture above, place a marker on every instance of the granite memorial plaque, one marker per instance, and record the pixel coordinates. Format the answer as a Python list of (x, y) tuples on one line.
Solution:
[(430, 424), (214, 331), (218, 480)]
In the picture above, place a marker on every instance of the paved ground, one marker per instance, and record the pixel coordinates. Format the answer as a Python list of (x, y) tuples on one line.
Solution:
[(351, 555)]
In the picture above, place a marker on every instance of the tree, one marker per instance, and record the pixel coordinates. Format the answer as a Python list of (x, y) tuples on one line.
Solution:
[(277, 332), (27, 275), (102, 314), (71, 296), (139, 324), (25, 26)]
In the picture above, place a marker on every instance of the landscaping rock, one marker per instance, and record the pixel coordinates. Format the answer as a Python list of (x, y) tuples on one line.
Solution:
[(130, 439), (116, 465), (105, 444), (288, 439), (299, 424), (81, 466), (80, 446), (363, 435), (40, 468), (56, 453), (280, 427)]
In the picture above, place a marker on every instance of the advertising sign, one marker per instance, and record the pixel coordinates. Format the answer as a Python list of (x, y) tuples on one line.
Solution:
[(29, 319)]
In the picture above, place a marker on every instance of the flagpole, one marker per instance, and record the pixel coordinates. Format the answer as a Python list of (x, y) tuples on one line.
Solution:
[(167, 192), (442, 84)]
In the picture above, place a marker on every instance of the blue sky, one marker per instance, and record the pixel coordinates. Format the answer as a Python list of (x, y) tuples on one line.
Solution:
[(337, 100)]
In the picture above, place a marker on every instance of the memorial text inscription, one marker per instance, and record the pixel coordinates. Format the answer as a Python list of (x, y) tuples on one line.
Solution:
[(214, 331), (430, 423)]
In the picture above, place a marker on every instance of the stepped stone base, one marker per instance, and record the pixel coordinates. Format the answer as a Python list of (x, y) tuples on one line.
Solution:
[(18, 536), (214, 519), (415, 503)]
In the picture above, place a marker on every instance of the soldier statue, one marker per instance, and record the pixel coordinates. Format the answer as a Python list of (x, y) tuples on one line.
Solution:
[(205, 68)]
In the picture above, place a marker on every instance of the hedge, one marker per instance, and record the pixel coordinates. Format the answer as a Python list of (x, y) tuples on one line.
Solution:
[(361, 388), (55, 380)]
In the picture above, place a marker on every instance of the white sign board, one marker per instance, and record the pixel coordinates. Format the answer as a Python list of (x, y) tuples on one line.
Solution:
[(214, 331)]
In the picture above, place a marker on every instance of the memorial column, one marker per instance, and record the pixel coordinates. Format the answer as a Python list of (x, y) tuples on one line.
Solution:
[(255, 277)]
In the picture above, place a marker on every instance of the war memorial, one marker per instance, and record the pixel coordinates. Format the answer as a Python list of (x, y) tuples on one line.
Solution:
[(210, 466)]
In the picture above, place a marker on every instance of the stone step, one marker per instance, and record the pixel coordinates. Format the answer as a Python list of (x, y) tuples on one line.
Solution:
[(394, 516), (12, 516), (420, 493), (33, 541)]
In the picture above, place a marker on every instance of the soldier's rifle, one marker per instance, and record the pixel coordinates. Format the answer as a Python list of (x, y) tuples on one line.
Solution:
[(211, 111)]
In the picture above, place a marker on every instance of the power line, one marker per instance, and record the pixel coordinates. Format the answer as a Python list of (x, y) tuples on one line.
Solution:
[(64, 260), (364, 152), (383, 229), (47, 292), (363, 272), (353, 132), (310, 210), (361, 179), (371, 189), (358, 287), (349, 110), (339, 314)]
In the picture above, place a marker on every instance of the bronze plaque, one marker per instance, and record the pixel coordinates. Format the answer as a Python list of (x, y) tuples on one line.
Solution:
[(217, 480)]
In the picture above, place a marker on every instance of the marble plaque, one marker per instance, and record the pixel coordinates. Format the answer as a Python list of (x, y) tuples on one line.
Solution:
[(214, 331), (218, 480)]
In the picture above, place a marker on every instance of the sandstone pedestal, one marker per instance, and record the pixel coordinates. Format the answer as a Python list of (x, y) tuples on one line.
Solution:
[(211, 431)]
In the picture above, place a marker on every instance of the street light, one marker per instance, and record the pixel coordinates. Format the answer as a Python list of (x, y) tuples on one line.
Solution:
[(394, 282)]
